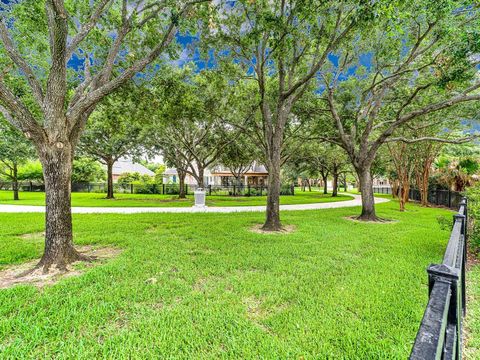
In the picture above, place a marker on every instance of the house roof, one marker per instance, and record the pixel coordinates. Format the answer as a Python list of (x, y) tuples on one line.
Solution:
[(170, 171), (254, 170), (123, 166), (248, 173)]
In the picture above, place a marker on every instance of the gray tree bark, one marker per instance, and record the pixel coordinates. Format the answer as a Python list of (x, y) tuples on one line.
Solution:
[(56, 161), (272, 221), (15, 182), (200, 177), (366, 188), (110, 194), (335, 184), (181, 182), (325, 187)]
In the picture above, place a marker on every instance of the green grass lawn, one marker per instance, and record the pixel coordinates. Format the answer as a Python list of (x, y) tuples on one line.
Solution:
[(333, 289), (472, 342), (142, 200)]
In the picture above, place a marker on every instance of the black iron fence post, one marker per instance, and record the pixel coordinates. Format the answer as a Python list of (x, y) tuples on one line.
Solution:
[(440, 333)]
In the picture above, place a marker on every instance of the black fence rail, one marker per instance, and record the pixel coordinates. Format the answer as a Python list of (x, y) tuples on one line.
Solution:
[(440, 333), (447, 198), (159, 189), (440, 197), (382, 190)]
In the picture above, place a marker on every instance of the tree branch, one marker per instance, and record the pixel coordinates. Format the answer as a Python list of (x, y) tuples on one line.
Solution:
[(15, 56), (87, 27), (434, 139)]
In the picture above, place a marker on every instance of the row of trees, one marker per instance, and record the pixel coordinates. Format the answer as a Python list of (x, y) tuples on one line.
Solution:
[(352, 73)]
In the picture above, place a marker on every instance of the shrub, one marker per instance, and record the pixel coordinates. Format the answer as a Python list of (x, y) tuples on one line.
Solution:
[(473, 195)]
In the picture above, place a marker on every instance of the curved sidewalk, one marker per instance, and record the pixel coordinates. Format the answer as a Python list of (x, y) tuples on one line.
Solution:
[(357, 201)]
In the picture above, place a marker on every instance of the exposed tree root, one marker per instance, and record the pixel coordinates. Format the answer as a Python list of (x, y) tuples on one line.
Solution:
[(61, 259), (32, 272), (369, 219), (259, 229), (271, 228)]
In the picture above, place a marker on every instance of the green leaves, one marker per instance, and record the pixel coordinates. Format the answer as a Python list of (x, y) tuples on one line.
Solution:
[(115, 128), (14, 148)]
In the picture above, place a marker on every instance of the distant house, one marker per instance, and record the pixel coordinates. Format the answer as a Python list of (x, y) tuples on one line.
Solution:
[(124, 166), (219, 175), (381, 182), (256, 175), (170, 176)]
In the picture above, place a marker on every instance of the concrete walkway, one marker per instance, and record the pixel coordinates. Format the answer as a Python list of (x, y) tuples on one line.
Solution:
[(357, 201)]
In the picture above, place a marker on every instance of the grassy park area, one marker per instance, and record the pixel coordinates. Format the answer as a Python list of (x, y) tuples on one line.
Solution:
[(148, 200), (472, 349), (205, 286)]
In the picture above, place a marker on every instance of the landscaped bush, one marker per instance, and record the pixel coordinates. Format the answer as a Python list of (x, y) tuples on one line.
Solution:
[(172, 189), (287, 189), (145, 187), (473, 195), (142, 184)]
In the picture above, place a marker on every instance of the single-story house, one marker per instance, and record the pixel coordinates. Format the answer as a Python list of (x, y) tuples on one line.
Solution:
[(220, 175), (255, 175), (123, 166)]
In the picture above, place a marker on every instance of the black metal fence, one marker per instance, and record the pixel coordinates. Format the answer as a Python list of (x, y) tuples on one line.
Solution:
[(160, 189), (245, 190), (440, 333), (440, 197), (382, 190), (447, 198)]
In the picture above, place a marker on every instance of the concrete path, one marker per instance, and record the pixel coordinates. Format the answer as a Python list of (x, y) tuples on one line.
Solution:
[(357, 201)]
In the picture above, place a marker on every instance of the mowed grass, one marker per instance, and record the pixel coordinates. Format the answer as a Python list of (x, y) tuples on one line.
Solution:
[(333, 289), (472, 341), (147, 200)]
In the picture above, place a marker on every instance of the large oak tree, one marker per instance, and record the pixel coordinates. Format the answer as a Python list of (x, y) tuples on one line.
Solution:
[(114, 129), (282, 46), (72, 54), (415, 68), (15, 150)]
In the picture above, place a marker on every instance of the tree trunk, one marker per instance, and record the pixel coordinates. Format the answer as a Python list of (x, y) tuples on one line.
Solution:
[(15, 182), (404, 194), (368, 200), (272, 222), (110, 179), (181, 182), (309, 185), (395, 187), (57, 170), (325, 188), (201, 178), (335, 184), (423, 184), (401, 197)]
